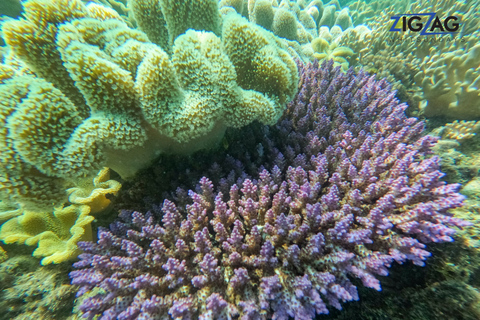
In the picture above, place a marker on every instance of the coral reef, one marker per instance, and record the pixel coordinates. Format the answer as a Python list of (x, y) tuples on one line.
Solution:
[(96, 196), (447, 288), (438, 77), (363, 12), (331, 51), (450, 80), (56, 233), (340, 188), (460, 159), (297, 23), (3, 255), (471, 212), (103, 95), (120, 6), (29, 292), (399, 69), (460, 130)]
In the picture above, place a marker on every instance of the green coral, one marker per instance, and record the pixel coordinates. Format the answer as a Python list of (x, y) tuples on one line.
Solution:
[(324, 50), (190, 14), (102, 94), (297, 23)]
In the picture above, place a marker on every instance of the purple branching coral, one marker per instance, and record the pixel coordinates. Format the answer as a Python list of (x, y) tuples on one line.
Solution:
[(347, 186)]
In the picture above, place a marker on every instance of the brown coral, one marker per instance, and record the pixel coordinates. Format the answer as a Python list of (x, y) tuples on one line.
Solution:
[(31, 292)]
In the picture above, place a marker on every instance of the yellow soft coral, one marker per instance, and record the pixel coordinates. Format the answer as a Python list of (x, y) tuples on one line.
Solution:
[(460, 130), (57, 233), (323, 50), (96, 196), (3, 255)]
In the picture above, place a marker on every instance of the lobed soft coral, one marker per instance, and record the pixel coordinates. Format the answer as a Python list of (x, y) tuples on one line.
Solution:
[(340, 188), (297, 23), (56, 234), (102, 94)]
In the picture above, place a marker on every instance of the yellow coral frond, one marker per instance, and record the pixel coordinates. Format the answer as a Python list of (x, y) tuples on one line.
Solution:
[(96, 196), (55, 234)]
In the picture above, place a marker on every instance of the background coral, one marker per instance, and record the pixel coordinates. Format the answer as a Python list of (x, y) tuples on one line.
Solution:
[(440, 77), (297, 23), (447, 287), (323, 50), (460, 130), (341, 187), (30, 292)]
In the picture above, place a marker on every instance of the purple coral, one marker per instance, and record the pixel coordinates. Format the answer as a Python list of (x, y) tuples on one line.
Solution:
[(347, 186)]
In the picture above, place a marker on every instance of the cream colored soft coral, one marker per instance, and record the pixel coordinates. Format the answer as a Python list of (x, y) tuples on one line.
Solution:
[(80, 90), (100, 93)]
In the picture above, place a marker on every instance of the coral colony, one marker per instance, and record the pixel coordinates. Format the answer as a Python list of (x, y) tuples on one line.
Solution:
[(347, 187), (99, 93)]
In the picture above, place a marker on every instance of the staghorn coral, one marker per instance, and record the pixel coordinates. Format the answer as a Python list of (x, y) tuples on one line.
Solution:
[(101, 94), (398, 69), (447, 288), (341, 187)]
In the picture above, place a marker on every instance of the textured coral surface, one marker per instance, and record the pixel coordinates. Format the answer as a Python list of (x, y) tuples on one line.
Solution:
[(99, 93), (29, 292), (56, 233), (439, 76), (344, 188)]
